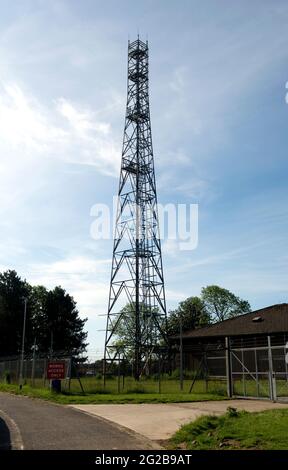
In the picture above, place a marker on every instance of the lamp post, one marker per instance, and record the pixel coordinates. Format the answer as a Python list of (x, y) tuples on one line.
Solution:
[(23, 345)]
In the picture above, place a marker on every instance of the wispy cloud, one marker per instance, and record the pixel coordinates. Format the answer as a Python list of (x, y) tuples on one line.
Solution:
[(81, 122), (62, 131), (82, 276), (218, 259), (94, 142), (24, 124)]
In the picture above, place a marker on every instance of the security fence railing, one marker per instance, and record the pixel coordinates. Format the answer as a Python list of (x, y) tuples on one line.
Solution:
[(88, 378), (253, 367), (34, 369), (245, 367)]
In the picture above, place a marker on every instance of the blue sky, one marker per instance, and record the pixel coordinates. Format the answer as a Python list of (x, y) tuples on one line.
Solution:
[(218, 71)]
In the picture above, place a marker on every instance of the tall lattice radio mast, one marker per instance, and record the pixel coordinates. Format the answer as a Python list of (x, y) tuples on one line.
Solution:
[(137, 275)]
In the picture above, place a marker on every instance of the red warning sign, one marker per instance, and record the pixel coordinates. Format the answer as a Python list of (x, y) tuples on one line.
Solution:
[(56, 370)]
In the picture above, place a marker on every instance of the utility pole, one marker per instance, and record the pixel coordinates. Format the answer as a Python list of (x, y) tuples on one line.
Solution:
[(23, 345), (181, 352), (51, 344)]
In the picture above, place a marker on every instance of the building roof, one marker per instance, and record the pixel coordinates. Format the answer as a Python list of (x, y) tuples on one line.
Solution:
[(267, 320)]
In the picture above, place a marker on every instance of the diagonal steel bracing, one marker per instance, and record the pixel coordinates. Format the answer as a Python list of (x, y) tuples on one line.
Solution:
[(137, 272)]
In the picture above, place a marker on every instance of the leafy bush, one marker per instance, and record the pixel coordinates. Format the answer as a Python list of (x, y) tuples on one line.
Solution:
[(232, 412), (7, 377)]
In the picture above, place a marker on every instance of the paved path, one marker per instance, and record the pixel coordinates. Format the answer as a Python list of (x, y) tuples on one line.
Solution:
[(36, 424), (159, 421)]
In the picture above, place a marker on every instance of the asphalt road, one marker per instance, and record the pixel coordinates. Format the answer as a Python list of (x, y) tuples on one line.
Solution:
[(5, 438), (36, 424)]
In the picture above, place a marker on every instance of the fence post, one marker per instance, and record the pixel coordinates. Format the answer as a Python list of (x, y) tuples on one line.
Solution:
[(119, 372), (23, 346), (228, 368), (44, 371), (33, 364), (123, 372), (181, 354), (159, 373), (69, 373)]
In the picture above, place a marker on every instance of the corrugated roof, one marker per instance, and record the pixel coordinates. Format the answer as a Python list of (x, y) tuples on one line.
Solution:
[(267, 320)]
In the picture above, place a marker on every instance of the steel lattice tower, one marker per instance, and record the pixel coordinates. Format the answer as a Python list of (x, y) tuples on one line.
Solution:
[(137, 272)]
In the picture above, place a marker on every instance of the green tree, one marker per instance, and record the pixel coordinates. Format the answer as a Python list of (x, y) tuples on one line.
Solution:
[(125, 327), (40, 327), (60, 322), (193, 314), (13, 291), (221, 304), (49, 314)]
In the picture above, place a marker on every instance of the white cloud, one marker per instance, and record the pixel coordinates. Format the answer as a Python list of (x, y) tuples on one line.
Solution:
[(194, 187), (91, 139), (24, 124), (83, 277), (179, 79), (175, 295), (170, 248), (75, 265), (81, 122), (29, 129), (86, 279)]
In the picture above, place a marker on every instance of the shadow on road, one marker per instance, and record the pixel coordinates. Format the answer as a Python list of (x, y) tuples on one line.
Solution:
[(5, 440)]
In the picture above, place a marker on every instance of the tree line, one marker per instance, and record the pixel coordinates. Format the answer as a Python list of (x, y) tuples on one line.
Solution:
[(53, 322), (52, 318), (214, 304)]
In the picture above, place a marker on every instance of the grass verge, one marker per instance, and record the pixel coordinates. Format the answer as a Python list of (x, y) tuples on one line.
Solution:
[(266, 430), (94, 398)]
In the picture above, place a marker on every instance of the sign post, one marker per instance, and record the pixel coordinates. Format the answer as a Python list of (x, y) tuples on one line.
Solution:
[(56, 373)]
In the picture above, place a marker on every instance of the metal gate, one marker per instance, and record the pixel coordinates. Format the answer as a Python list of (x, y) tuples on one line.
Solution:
[(280, 372), (259, 368)]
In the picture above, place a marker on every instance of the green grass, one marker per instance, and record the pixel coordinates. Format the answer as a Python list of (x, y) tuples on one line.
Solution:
[(97, 398), (266, 430), (145, 385)]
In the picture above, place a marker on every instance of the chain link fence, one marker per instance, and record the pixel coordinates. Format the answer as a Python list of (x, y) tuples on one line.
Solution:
[(88, 378), (34, 370)]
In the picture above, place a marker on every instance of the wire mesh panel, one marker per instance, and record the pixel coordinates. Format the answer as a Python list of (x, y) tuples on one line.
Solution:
[(250, 372), (280, 371), (216, 363), (34, 370), (260, 371)]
